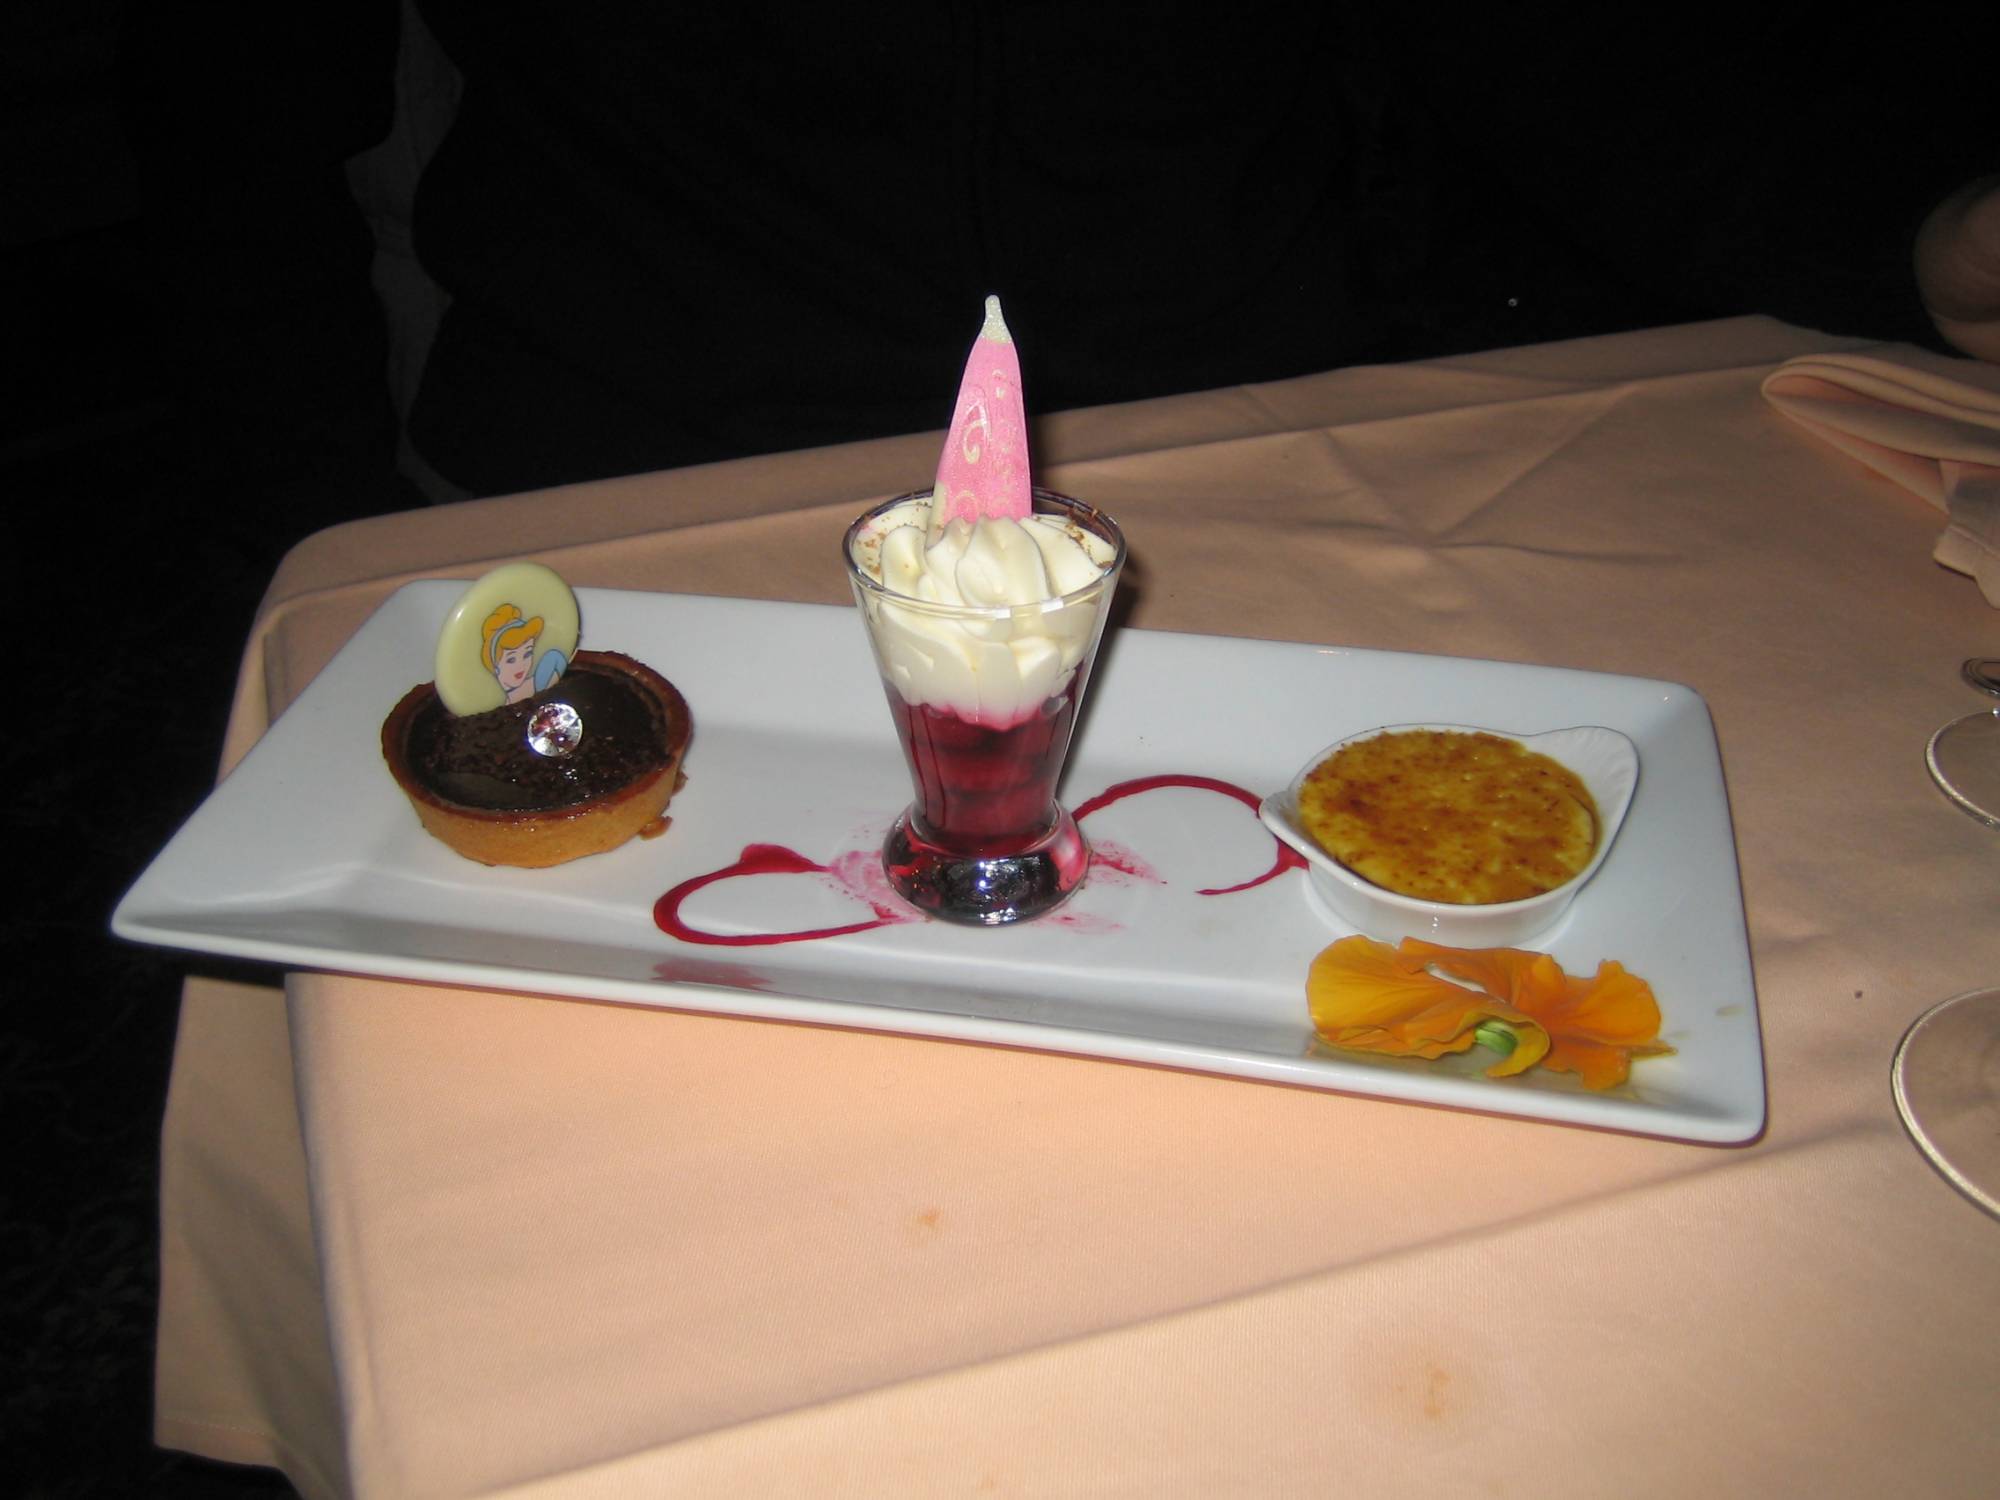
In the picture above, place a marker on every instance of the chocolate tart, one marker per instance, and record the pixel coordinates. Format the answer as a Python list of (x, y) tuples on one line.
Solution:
[(477, 785)]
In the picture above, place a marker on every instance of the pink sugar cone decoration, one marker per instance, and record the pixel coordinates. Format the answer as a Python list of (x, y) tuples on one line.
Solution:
[(984, 469)]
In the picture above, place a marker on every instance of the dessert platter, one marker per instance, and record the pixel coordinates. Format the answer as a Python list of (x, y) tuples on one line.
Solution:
[(308, 855), (1126, 875)]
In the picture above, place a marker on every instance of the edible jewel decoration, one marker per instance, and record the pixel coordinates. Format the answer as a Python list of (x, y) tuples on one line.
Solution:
[(555, 730), (509, 637), (983, 471), (1366, 996)]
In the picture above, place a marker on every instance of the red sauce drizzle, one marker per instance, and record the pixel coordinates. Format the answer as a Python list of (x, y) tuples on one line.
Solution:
[(756, 859), (775, 859), (1288, 858)]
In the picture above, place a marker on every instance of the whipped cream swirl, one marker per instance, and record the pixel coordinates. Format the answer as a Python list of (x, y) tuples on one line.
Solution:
[(990, 619)]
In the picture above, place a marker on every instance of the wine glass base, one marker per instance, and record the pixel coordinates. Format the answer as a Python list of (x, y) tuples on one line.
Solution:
[(1946, 1080), (1964, 760), (990, 890)]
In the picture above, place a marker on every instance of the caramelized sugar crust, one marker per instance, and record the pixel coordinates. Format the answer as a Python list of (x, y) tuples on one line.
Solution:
[(1468, 819)]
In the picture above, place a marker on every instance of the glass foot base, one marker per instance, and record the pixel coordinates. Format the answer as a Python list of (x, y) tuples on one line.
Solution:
[(1946, 1080), (986, 890), (1964, 758)]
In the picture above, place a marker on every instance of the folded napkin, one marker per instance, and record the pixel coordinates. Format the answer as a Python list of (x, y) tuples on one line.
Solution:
[(1929, 423)]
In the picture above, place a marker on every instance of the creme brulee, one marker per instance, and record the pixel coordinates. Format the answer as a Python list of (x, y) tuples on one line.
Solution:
[(1443, 815)]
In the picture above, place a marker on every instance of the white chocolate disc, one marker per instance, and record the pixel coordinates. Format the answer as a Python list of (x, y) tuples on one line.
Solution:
[(509, 636)]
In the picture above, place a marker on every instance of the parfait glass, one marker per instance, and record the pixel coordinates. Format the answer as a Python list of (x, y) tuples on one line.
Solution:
[(985, 700)]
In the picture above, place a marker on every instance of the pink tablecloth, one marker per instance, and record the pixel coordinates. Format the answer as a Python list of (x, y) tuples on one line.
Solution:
[(422, 1241)]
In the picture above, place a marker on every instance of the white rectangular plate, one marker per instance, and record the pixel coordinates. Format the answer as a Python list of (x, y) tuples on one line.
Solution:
[(309, 856)]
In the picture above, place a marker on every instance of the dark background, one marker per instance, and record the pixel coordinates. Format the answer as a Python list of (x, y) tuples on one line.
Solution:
[(102, 760), (1711, 192)]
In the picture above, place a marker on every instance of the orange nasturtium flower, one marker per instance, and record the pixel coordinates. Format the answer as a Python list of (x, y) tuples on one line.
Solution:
[(1366, 996)]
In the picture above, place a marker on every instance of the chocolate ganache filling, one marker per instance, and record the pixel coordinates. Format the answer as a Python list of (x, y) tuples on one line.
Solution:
[(483, 760)]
